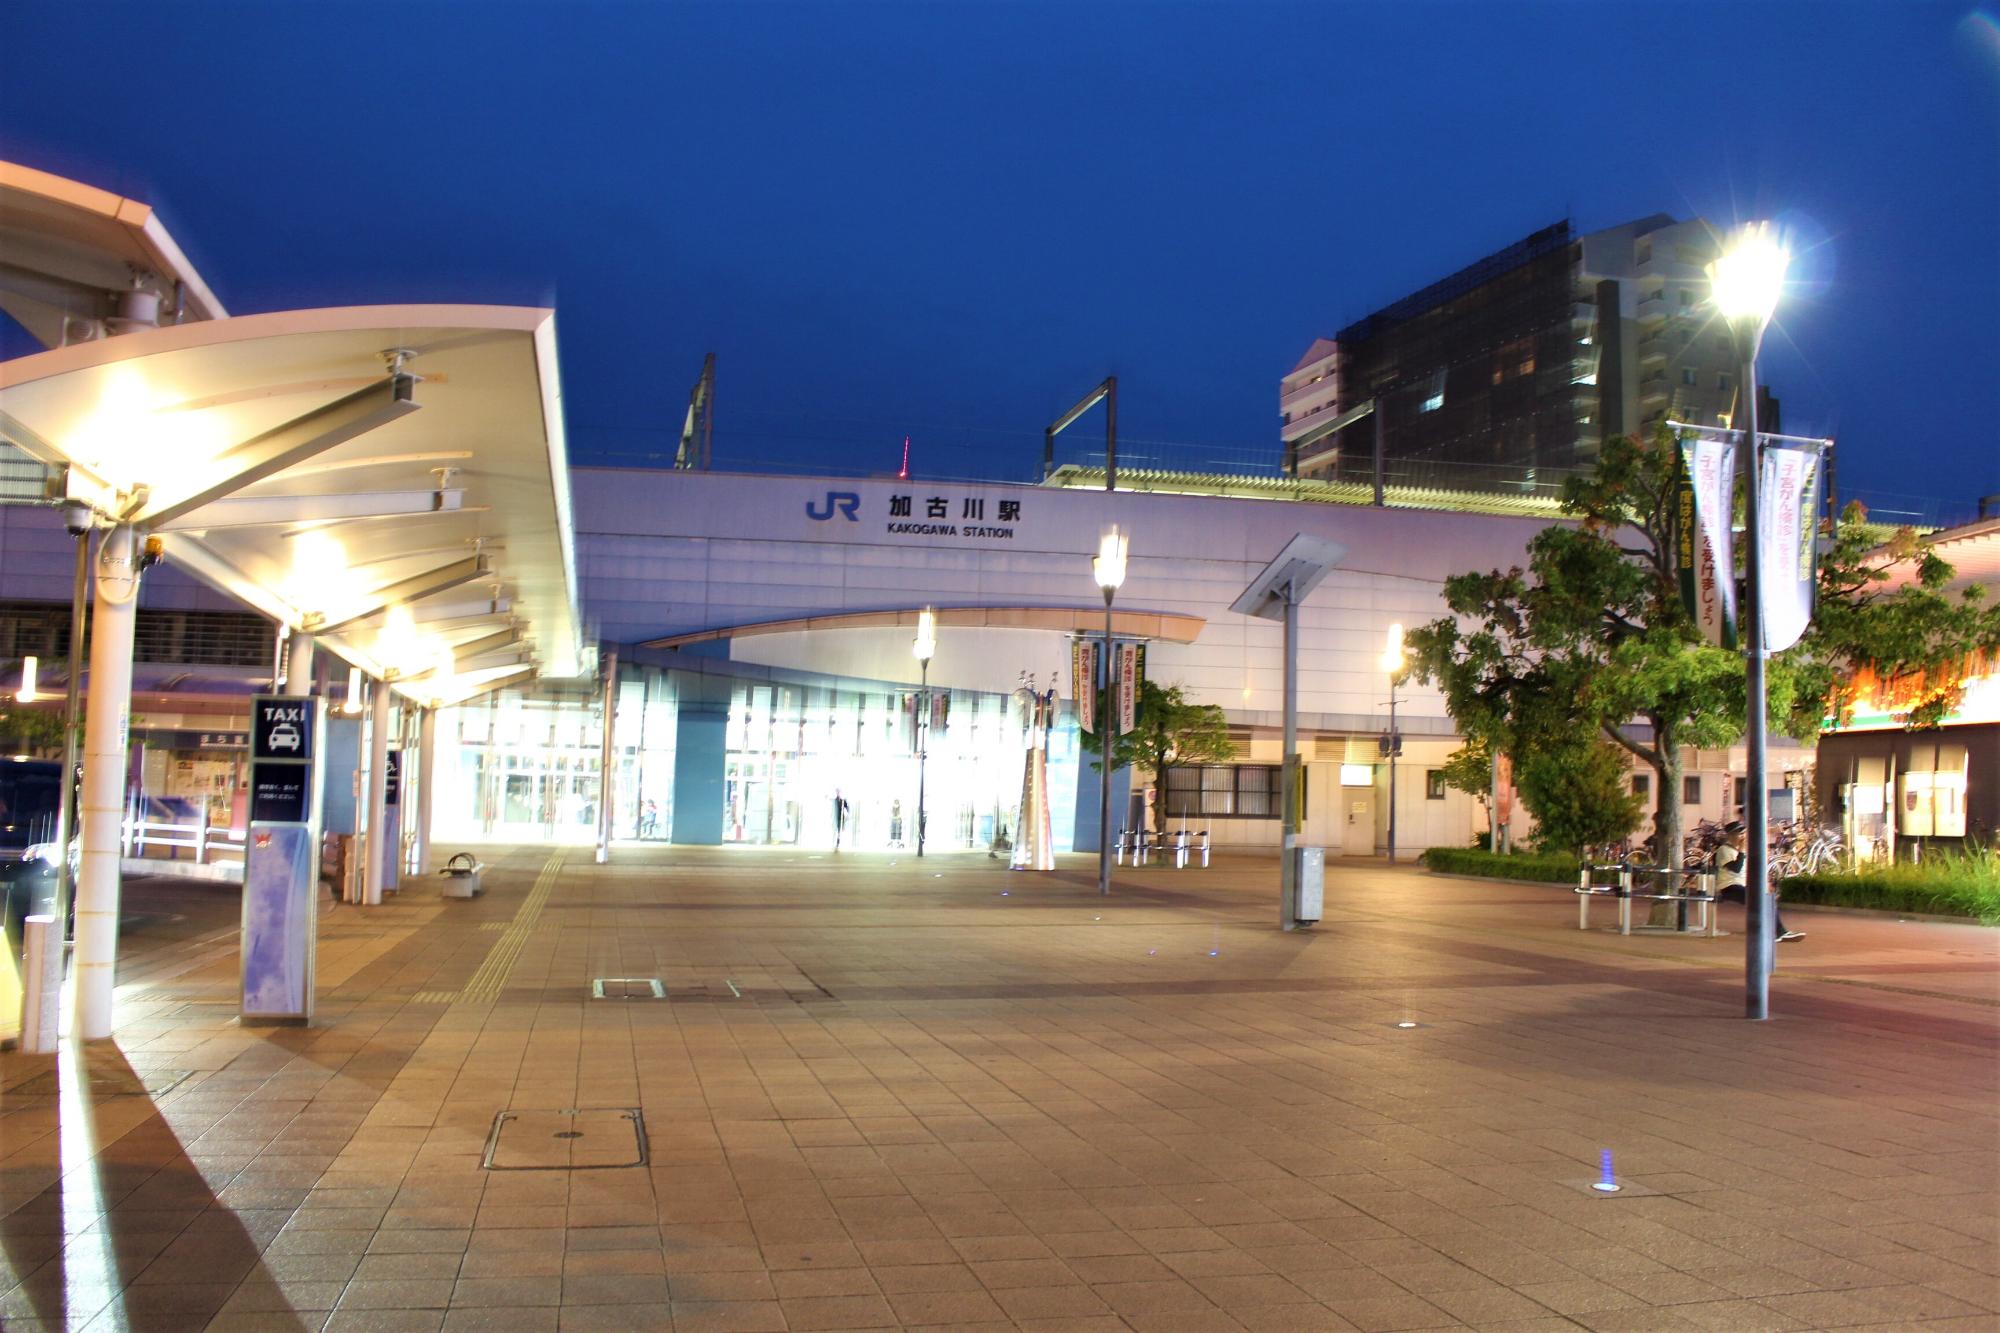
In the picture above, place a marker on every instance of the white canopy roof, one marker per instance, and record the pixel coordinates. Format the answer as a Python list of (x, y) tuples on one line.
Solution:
[(392, 479)]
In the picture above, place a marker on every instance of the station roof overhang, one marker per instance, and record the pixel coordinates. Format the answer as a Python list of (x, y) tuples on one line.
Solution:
[(390, 479), (1164, 626)]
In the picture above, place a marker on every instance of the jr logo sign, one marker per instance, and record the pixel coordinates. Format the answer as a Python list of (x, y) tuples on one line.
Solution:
[(843, 502)]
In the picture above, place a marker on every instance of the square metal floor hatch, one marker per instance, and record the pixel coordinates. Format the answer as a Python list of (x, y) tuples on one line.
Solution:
[(569, 1140), (627, 988)]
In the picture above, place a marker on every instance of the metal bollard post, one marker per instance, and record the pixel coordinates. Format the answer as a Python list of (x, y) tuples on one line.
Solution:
[(1204, 849), (41, 984), (1625, 900)]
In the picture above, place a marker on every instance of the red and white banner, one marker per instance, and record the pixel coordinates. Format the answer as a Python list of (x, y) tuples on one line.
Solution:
[(1704, 556), (1083, 682)]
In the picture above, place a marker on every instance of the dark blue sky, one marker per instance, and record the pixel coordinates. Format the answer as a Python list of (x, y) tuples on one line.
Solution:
[(951, 220)]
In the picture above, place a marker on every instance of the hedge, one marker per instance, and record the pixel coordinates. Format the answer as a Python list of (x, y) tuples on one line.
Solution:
[(1533, 868), (1967, 885)]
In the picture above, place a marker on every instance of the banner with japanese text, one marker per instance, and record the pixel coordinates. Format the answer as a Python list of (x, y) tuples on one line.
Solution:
[(1787, 542), (1083, 682), (1131, 669), (1703, 555)]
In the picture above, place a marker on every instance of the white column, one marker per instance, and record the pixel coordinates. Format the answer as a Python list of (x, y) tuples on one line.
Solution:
[(607, 757), (299, 665), (101, 804), (378, 793), (426, 767)]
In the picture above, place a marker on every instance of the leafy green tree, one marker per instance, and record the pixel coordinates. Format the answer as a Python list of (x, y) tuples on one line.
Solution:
[(37, 732), (1167, 731), (1578, 794), (1861, 620), (1590, 636)]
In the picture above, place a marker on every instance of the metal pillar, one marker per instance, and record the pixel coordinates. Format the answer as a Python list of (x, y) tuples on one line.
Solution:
[(66, 807), (1288, 870), (923, 741), (1759, 948), (378, 792), (1395, 744), (107, 724), (1110, 440), (1380, 445), (1107, 731), (606, 786), (426, 768), (299, 664)]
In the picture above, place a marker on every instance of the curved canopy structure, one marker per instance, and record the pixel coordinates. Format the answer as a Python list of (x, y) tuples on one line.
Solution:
[(390, 479), (1166, 626)]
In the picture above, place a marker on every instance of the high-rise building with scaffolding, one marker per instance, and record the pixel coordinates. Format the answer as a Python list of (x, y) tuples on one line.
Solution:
[(1512, 372)]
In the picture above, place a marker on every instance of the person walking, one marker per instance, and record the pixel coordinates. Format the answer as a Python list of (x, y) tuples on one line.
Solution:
[(839, 818), (1732, 864)]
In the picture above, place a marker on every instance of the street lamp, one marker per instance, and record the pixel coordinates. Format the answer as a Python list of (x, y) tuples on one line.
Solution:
[(1108, 568), (1745, 283), (1393, 663), (925, 647)]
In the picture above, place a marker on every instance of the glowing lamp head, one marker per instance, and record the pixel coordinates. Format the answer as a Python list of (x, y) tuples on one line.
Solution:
[(29, 670), (1108, 566), (1392, 652), (1747, 280), (925, 645)]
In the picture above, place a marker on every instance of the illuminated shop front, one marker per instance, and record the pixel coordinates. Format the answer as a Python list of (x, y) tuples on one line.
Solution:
[(1892, 791), (780, 754)]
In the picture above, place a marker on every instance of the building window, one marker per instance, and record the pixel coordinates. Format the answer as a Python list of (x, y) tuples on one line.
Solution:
[(1642, 250), (1434, 402), (1742, 792), (1722, 382), (1687, 297), (1434, 784), (1642, 785), (1687, 376), (1229, 791), (1690, 791)]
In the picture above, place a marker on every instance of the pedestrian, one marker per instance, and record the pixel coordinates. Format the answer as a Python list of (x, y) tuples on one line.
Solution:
[(1732, 864), (839, 817)]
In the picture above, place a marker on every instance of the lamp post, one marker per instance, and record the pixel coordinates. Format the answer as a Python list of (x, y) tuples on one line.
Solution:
[(925, 647), (1745, 283), (1108, 568), (1392, 662)]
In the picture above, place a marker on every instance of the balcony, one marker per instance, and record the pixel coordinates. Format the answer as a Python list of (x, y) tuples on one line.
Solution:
[(1326, 386), (1652, 307), (1655, 388), (1653, 349)]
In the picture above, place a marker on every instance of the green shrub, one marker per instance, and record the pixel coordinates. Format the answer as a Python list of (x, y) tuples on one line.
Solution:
[(1945, 885), (1534, 868)]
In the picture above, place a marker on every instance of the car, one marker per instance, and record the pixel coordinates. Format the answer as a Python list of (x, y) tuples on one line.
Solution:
[(284, 736), (28, 858)]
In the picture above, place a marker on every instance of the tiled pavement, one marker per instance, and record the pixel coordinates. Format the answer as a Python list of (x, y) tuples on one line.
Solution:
[(901, 1094)]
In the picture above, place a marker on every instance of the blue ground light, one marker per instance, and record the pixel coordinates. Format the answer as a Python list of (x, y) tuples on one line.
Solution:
[(1606, 1183)]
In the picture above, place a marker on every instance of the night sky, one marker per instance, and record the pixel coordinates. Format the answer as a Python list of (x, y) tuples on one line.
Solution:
[(952, 220)]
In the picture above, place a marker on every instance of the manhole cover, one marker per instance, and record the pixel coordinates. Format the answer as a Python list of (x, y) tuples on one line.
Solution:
[(106, 1083), (627, 988), (569, 1140)]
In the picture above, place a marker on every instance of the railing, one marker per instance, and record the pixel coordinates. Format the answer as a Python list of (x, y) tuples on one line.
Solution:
[(208, 841)]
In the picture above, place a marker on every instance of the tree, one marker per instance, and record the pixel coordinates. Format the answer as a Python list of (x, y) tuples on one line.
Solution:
[(37, 732), (1578, 794), (1590, 637), (1168, 731)]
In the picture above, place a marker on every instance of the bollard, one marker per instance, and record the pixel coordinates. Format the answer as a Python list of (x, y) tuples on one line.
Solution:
[(1624, 900), (41, 984)]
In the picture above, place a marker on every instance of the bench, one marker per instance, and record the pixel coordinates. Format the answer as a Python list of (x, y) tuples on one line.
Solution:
[(462, 876), (1624, 892)]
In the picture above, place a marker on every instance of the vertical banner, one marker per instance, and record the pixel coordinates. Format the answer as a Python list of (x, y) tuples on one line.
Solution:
[(1787, 533), (1703, 554), (1128, 686), (1083, 682), (909, 723)]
